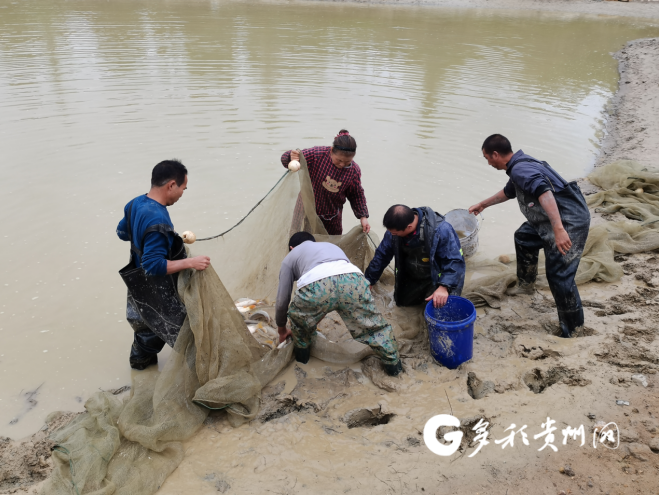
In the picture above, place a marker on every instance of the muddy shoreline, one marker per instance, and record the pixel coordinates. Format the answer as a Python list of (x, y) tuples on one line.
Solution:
[(640, 9), (632, 129), (358, 438)]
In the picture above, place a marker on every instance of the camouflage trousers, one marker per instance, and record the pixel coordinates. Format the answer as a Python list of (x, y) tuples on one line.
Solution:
[(349, 295)]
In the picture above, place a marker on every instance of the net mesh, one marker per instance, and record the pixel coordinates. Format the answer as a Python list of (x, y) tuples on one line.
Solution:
[(131, 446)]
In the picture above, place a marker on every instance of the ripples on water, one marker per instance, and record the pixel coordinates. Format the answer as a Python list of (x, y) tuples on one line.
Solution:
[(93, 94)]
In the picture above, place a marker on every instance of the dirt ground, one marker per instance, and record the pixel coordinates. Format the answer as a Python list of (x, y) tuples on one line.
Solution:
[(329, 429), (27, 462)]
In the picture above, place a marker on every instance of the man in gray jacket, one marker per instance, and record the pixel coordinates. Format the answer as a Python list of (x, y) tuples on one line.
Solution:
[(326, 282)]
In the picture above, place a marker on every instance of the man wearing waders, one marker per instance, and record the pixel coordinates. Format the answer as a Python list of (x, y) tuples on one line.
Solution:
[(154, 309), (326, 282), (557, 222), (427, 254)]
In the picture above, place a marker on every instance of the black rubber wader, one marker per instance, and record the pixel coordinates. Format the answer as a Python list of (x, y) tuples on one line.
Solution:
[(153, 309), (415, 281), (537, 233), (413, 265)]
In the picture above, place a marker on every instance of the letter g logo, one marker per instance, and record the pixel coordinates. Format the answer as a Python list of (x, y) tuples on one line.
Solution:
[(430, 435)]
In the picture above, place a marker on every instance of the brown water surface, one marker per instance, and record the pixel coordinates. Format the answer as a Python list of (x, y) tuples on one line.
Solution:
[(94, 94)]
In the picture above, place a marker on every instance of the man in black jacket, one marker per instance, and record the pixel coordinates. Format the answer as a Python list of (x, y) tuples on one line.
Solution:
[(427, 253)]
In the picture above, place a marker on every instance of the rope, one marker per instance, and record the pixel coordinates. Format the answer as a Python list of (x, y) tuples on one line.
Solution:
[(246, 215), (252, 210)]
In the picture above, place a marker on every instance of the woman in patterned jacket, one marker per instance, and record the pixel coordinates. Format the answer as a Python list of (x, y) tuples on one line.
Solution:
[(335, 178)]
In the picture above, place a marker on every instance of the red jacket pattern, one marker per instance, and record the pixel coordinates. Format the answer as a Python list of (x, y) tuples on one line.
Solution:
[(332, 186)]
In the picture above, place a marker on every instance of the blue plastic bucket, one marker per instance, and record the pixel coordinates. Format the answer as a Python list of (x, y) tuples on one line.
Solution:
[(451, 331)]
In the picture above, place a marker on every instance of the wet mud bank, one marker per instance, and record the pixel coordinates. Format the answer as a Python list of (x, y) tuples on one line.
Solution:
[(639, 8), (27, 462), (335, 429), (632, 130)]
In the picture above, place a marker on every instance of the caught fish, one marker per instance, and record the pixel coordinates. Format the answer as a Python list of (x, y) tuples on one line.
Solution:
[(260, 316), (264, 334), (246, 305)]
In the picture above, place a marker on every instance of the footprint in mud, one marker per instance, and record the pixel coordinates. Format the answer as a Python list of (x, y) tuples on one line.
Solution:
[(536, 353), (553, 327), (310, 394), (477, 388), (640, 300), (538, 380), (644, 271), (636, 358), (372, 369), (367, 417), (645, 334)]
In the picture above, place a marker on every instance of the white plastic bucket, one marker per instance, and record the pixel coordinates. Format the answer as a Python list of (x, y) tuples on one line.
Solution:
[(468, 226)]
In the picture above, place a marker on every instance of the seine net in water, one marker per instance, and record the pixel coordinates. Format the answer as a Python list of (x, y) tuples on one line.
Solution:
[(131, 446)]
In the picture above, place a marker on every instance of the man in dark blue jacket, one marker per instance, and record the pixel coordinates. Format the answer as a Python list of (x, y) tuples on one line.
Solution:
[(157, 255), (557, 222), (428, 258)]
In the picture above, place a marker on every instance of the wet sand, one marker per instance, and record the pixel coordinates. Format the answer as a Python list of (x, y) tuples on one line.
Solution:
[(306, 441)]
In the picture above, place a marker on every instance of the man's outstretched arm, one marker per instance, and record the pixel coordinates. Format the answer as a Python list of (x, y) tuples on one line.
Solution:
[(495, 199)]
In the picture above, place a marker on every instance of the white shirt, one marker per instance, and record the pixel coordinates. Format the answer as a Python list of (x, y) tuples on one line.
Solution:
[(325, 270)]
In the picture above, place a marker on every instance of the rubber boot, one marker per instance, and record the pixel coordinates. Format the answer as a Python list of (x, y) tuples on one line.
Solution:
[(145, 348), (302, 355), (393, 369), (140, 361), (522, 289), (565, 331), (571, 322)]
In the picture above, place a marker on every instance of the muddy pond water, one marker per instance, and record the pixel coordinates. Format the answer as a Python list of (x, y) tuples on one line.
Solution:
[(94, 94)]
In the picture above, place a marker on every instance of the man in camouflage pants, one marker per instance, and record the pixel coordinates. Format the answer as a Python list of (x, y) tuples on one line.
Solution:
[(327, 282)]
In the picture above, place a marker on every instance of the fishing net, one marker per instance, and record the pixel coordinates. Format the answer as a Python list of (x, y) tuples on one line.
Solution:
[(131, 446), (629, 188)]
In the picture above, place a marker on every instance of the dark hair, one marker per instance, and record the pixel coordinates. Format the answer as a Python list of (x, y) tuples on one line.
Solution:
[(345, 143), (299, 238), (168, 170), (398, 217), (497, 143)]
